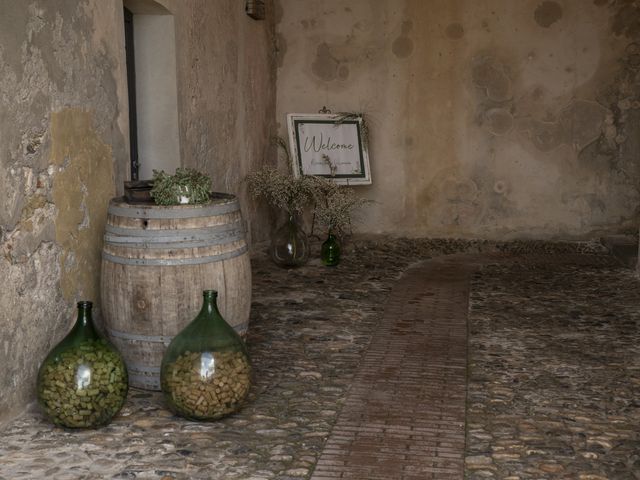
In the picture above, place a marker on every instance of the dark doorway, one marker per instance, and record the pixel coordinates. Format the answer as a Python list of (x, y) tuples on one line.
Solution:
[(131, 87)]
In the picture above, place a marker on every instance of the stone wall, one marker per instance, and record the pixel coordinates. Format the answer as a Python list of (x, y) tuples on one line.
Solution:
[(491, 119), (64, 148)]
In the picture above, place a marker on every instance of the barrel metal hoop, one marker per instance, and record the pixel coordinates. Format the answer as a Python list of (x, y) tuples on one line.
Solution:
[(176, 241), (165, 339), (187, 233), (186, 211), (146, 370), (146, 382), (134, 337), (174, 261), (182, 245)]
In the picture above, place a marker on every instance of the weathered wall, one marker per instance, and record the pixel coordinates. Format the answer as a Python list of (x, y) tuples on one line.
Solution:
[(488, 118), (64, 148), (226, 94), (61, 148)]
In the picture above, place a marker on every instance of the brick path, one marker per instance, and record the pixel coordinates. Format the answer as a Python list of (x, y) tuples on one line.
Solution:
[(403, 418)]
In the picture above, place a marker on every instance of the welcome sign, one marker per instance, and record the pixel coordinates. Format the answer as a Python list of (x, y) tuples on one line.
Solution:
[(329, 146)]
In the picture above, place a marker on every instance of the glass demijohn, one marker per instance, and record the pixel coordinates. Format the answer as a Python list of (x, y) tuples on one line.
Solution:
[(83, 381), (330, 251), (206, 373), (290, 244)]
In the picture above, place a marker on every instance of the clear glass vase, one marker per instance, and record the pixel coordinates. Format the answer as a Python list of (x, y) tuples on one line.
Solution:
[(330, 251), (290, 244), (206, 372), (83, 381)]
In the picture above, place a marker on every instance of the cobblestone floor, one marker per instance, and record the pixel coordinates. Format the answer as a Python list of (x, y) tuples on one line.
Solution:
[(310, 329), (554, 385)]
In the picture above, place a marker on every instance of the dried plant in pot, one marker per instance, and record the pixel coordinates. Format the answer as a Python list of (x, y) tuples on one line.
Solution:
[(334, 209), (288, 194), (186, 187)]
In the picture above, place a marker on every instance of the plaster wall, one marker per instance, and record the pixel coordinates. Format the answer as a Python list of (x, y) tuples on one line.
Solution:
[(226, 95), (487, 118), (64, 148)]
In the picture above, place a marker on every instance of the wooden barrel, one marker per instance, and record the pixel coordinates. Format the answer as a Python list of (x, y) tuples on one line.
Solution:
[(156, 262)]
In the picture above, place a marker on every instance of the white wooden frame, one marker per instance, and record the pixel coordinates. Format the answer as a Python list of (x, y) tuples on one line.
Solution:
[(330, 146)]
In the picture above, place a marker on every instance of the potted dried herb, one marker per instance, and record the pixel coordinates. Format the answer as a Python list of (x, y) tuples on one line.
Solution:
[(334, 210), (186, 186), (289, 243)]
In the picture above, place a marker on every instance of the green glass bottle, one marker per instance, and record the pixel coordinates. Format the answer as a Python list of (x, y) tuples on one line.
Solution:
[(330, 251), (206, 372), (83, 381)]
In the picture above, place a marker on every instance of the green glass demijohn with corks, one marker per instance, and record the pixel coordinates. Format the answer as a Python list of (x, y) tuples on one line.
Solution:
[(206, 372), (83, 381)]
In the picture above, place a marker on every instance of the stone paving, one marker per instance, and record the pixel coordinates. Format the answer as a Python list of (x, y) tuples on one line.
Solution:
[(528, 417), (309, 327), (554, 377)]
